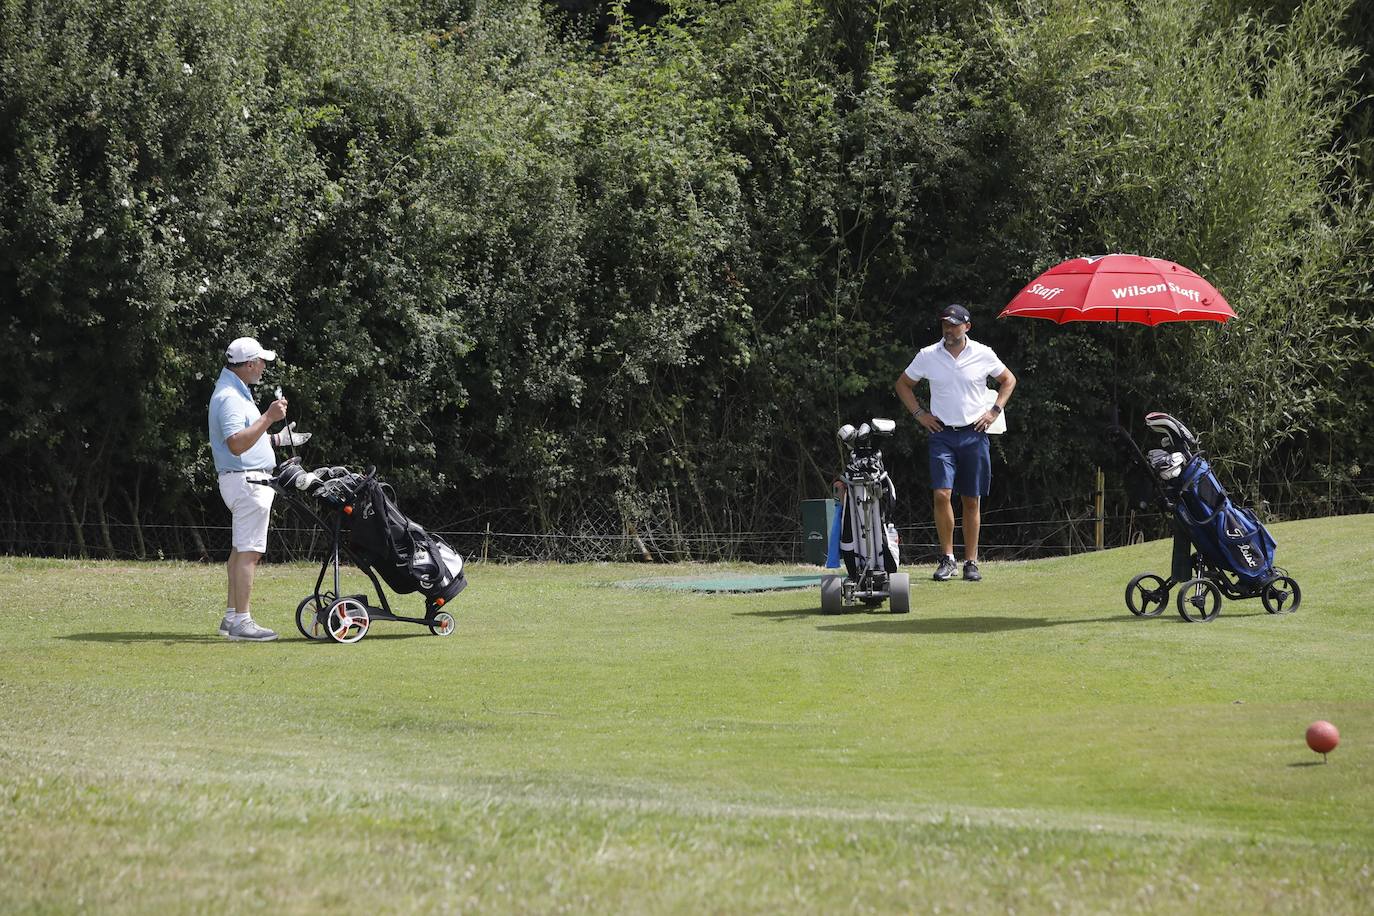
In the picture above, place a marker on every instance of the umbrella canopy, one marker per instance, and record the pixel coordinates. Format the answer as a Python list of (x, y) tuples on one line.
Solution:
[(1119, 287)]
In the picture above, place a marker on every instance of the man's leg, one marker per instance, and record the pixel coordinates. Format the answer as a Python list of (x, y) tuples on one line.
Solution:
[(231, 602), (230, 607), (942, 463), (944, 527), (244, 564), (944, 521), (972, 522), (974, 477), (244, 627), (251, 505)]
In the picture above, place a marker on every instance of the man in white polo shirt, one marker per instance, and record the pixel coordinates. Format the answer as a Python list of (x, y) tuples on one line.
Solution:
[(958, 369), (243, 457)]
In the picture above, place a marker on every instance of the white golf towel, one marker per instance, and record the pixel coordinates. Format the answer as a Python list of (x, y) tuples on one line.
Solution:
[(1000, 424)]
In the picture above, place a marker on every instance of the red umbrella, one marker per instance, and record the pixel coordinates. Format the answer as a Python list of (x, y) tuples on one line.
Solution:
[(1119, 287)]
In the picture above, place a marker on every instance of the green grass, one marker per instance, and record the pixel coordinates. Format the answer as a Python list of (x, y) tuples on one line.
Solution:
[(1018, 744)]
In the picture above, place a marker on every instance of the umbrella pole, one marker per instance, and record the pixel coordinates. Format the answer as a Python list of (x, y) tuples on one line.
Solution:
[(1100, 526), (1113, 427), (1113, 412)]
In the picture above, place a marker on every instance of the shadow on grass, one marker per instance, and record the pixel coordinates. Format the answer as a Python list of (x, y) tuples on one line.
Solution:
[(880, 620), (887, 623), (128, 636), (1232, 614), (1309, 763), (414, 631), (167, 639)]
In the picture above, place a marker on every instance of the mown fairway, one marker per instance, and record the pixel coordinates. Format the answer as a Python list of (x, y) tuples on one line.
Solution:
[(1018, 744)]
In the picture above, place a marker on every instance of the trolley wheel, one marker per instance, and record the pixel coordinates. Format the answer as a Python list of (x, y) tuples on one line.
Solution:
[(1199, 600), (1281, 595), (310, 617), (347, 621), (443, 624), (1147, 595), (899, 593), (832, 595)]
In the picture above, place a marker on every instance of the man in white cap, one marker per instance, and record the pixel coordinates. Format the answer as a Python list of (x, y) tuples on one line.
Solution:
[(243, 457), (958, 368)]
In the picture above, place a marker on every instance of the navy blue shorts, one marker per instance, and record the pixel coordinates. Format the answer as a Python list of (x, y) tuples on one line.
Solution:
[(960, 460)]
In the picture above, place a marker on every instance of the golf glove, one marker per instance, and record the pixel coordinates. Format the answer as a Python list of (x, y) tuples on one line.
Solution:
[(289, 436)]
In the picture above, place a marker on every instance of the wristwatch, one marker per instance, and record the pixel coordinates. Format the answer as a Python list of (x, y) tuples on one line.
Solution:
[(996, 408)]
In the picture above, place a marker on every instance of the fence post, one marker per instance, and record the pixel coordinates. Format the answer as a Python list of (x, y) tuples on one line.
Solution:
[(486, 540), (1099, 530)]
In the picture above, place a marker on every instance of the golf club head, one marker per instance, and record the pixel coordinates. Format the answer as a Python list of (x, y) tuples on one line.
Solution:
[(846, 433), (307, 482), (1166, 465), (883, 426), (1174, 436), (288, 471)]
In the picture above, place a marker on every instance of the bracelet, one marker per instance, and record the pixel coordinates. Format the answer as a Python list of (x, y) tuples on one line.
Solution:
[(920, 411)]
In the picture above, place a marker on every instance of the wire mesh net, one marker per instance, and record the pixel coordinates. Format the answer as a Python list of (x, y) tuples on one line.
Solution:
[(657, 529)]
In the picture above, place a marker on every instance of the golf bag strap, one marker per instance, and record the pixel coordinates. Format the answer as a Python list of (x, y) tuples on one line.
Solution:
[(1191, 474), (433, 550), (379, 505)]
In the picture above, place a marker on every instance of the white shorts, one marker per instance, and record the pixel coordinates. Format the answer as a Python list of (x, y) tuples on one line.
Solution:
[(251, 504)]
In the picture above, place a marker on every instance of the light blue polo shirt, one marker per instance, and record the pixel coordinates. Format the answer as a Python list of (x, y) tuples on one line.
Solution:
[(231, 410)]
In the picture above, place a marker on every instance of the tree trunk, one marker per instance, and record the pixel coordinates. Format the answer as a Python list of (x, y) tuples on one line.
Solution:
[(78, 535), (140, 548), (196, 540), (104, 520)]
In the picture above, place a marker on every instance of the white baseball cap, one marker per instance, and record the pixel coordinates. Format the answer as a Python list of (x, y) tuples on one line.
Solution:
[(245, 348)]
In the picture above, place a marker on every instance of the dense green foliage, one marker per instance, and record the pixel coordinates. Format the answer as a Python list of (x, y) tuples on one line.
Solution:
[(550, 265)]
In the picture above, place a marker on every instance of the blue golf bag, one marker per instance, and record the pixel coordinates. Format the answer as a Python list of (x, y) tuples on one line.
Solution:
[(1219, 548), (1229, 537)]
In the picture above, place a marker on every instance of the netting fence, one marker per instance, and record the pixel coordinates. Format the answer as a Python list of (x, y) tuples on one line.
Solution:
[(663, 532)]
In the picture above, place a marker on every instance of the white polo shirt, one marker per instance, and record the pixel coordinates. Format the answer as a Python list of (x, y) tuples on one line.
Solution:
[(958, 387)]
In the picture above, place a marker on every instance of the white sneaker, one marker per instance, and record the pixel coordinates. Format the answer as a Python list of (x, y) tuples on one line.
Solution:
[(249, 631), (224, 626)]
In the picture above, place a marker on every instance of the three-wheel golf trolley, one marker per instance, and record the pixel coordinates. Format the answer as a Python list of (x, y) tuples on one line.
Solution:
[(868, 542), (380, 540), (1219, 549)]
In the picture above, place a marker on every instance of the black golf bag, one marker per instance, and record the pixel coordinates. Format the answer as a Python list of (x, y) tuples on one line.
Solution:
[(364, 523), (407, 556), (869, 496), (867, 541)]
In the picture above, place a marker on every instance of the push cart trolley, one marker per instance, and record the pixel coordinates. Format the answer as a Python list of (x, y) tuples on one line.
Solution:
[(379, 539), (868, 542)]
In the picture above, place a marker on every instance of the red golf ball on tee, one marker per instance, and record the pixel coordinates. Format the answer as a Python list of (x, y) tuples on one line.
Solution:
[(1322, 736)]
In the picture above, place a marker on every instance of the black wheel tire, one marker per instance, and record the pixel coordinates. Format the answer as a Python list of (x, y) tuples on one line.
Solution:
[(1281, 595), (347, 621), (1199, 600), (832, 594), (310, 618), (443, 624), (1147, 598), (899, 593)]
